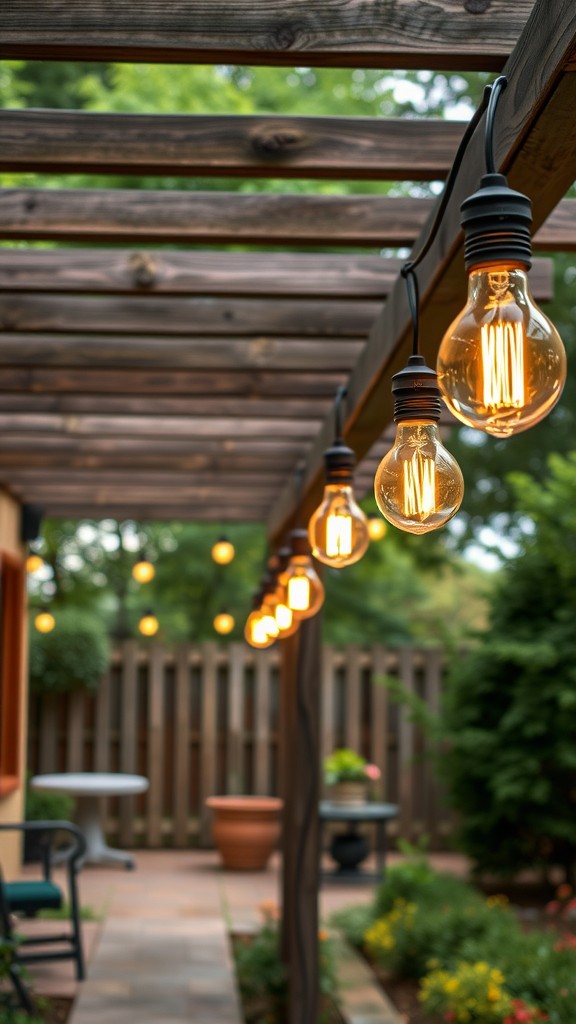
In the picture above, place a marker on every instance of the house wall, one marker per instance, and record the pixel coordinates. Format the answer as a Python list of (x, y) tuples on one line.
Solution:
[(12, 804)]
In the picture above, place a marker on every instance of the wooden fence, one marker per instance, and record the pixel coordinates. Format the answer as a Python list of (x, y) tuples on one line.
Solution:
[(200, 720)]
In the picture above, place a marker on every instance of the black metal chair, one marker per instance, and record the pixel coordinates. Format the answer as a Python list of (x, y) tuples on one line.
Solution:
[(31, 895)]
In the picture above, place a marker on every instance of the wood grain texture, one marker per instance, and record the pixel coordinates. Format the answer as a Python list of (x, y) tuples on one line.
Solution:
[(441, 34), (162, 405), (536, 146), (141, 216), (231, 146)]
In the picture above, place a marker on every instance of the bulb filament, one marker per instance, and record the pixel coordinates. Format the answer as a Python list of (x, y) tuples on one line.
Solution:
[(283, 616), (338, 536), (419, 486), (503, 365), (299, 593)]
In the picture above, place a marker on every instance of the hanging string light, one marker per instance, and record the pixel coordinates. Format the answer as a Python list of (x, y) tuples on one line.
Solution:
[(223, 551), (338, 531), (148, 624), (376, 528), (223, 622), (285, 619), (143, 571), (418, 485), (34, 563), (304, 590), (44, 621), (255, 630), (501, 364)]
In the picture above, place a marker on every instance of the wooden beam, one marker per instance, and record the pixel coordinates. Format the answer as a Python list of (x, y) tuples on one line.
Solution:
[(337, 148), (175, 405), (536, 146), (215, 451), (141, 216), (441, 35), (298, 275), (86, 457), (304, 318), (220, 512), (247, 382), (116, 352), (153, 426)]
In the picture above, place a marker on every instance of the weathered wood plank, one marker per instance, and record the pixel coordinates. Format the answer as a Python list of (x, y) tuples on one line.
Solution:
[(155, 747), (161, 405), (353, 699), (201, 513), (129, 713), (164, 353), (190, 317), (114, 271), (327, 701), (444, 34), (102, 725), (536, 146), (168, 426), (301, 275), (181, 755), (48, 756), (247, 382), (379, 731), (208, 738), (75, 732), (276, 146), (261, 745), (433, 685), (140, 216), (406, 748), (235, 732)]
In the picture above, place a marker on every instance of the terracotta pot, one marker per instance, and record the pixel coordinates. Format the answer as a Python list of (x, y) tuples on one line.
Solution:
[(246, 829), (348, 794)]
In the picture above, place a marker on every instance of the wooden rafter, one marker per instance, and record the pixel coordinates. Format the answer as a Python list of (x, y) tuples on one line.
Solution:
[(443, 34), (536, 146)]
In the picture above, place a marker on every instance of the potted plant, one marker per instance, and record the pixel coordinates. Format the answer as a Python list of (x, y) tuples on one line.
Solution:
[(348, 775)]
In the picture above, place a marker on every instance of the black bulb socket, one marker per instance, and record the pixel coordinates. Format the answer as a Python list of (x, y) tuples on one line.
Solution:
[(496, 222), (299, 543), (416, 392), (339, 462)]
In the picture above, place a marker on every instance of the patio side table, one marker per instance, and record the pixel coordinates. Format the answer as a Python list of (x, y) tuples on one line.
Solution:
[(88, 787), (352, 815)]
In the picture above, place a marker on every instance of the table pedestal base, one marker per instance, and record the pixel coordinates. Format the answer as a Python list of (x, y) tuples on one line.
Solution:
[(97, 850)]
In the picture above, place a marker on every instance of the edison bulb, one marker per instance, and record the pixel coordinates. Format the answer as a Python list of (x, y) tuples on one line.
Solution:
[(255, 633), (148, 624), (223, 623), (501, 364), (304, 590), (418, 485), (223, 551), (338, 531), (376, 527), (44, 622), (143, 571)]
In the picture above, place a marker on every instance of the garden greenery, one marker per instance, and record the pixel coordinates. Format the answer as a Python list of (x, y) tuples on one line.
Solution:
[(73, 656)]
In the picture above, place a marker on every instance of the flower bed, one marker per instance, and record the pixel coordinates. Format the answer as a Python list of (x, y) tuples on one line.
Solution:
[(468, 957)]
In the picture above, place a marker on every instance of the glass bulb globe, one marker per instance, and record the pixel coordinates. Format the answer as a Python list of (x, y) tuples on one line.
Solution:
[(223, 551), (501, 364), (143, 571), (148, 624), (223, 623), (338, 531), (44, 622), (376, 528), (304, 590), (268, 616), (254, 632), (418, 485), (34, 563)]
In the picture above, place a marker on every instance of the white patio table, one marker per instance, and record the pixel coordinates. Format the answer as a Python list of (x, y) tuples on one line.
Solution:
[(87, 788)]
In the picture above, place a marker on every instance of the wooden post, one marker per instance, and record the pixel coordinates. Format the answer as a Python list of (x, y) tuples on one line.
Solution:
[(301, 674)]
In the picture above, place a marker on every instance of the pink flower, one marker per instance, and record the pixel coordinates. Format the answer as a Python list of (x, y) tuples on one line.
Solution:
[(372, 771)]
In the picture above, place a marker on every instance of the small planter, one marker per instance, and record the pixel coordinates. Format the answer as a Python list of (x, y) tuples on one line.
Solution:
[(246, 830), (348, 794)]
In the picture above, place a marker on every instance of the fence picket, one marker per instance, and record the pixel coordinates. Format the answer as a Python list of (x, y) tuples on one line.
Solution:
[(235, 759), (128, 734), (181, 759), (379, 721), (353, 699), (208, 743), (406, 748), (155, 759)]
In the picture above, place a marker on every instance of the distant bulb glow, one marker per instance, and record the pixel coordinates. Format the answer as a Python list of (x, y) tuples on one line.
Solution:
[(338, 531), (148, 624), (143, 571), (44, 622), (34, 563), (501, 364), (223, 551), (223, 623), (376, 527), (418, 485), (255, 633)]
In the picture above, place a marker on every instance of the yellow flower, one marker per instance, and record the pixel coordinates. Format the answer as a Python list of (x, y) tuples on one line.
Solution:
[(493, 993), (451, 984)]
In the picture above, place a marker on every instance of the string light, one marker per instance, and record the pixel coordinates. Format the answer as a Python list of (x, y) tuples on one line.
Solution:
[(143, 571), (44, 621), (223, 623), (148, 624), (223, 551), (304, 590)]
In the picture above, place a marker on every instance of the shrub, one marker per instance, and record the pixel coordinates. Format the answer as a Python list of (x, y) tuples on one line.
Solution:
[(474, 993), (74, 655)]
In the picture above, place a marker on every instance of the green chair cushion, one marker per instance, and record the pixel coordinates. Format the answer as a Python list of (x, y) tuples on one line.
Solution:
[(32, 896)]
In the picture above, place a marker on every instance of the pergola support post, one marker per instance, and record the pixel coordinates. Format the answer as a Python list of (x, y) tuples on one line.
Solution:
[(300, 705)]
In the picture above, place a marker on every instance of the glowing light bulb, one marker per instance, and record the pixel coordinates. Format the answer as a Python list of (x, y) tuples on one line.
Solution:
[(44, 622), (304, 590), (143, 571), (501, 363), (338, 531), (255, 633), (223, 551), (285, 620), (376, 527), (418, 485), (148, 624), (223, 623), (34, 563)]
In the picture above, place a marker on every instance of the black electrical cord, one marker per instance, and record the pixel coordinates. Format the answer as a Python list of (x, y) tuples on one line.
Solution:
[(340, 396)]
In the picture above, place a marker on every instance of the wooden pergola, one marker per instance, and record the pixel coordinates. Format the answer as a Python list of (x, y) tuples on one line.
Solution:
[(158, 384)]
